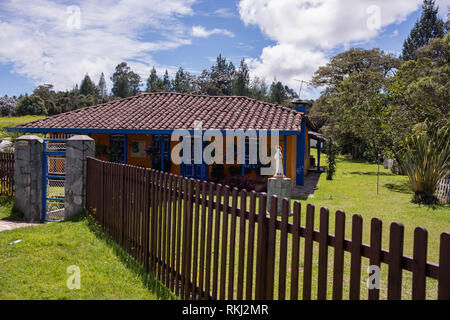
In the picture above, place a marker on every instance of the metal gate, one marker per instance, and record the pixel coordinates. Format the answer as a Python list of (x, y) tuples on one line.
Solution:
[(54, 174)]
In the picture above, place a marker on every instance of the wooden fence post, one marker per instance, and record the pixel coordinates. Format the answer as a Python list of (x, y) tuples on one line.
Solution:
[(261, 249), (444, 268)]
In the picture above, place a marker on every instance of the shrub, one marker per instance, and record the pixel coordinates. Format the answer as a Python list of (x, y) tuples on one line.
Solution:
[(331, 150), (426, 161)]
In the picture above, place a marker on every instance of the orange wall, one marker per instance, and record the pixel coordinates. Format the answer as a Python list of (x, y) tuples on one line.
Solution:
[(291, 161)]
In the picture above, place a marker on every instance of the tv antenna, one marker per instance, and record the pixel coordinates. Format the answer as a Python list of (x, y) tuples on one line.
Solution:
[(301, 86)]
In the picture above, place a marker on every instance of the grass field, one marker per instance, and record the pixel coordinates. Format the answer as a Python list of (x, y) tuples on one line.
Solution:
[(7, 122), (36, 267), (354, 190)]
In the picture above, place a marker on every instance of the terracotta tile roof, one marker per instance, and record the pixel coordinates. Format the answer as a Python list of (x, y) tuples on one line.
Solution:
[(168, 111)]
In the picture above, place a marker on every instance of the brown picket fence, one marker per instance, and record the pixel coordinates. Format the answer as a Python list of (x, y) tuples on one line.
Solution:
[(6, 174), (205, 241)]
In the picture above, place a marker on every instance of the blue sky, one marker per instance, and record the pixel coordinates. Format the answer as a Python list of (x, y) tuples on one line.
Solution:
[(57, 42)]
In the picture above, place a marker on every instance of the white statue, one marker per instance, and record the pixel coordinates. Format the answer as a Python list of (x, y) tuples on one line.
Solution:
[(279, 172)]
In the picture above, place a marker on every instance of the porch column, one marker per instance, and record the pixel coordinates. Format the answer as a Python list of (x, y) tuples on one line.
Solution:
[(243, 157), (319, 147), (300, 170), (285, 154), (161, 150), (201, 167)]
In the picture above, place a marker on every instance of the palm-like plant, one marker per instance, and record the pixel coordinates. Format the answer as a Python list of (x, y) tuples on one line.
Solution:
[(426, 161)]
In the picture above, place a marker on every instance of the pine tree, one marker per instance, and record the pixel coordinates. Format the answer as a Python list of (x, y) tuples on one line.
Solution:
[(241, 80), (166, 82), (277, 92), (125, 82), (181, 82), (88, 87), (154, 83), (102, 87), (429, 26)]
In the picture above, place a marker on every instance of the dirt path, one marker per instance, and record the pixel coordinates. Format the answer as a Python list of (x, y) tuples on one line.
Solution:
[(9, 225)]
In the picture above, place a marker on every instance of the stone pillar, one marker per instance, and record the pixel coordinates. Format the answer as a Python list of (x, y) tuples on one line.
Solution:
[(78, 148), (280, 187), (28, 155)]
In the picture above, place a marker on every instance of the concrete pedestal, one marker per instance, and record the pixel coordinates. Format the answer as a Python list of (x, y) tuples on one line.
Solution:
[(28, 177), (280, 187), (78, 148)]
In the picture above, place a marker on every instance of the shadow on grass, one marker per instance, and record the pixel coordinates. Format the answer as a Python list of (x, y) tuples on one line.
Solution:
[(401, 187), (12, 214), (148, 278), (371, 173)]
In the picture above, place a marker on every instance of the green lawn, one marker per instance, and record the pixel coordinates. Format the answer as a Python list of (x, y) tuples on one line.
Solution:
[(7, 122), (36, 267), (354, 190)]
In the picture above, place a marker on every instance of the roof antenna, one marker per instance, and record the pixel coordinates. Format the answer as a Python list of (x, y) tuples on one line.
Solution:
[(301, 86)]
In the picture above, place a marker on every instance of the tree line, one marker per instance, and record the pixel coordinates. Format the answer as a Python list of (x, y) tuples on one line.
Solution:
[(222, 78), (377, 106)]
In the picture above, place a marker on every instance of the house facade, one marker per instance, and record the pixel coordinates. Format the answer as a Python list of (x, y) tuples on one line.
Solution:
[(137, 131)]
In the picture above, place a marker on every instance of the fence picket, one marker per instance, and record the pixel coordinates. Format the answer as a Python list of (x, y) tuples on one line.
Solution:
[(250, 247), (375, 252), (323, 255), (232, 243), (444, 267), (355, 263), (223, 256), (296, 224), (241, 254), (420, 264), (283, 250), (338, 266), (271, 245), (395, 261), (307, 265), (216, 241)]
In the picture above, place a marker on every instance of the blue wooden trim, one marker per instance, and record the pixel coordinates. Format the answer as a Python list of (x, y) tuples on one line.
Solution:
[(300, 170), (125, 150), (201, 168), (285, 154), (132, 131), (55, 153), (161, 150), (56, 199), (55, 177), (319, 147), (44, 183)]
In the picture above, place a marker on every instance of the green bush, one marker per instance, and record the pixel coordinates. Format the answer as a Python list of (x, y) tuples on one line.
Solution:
[(331, 150), (426, 161)]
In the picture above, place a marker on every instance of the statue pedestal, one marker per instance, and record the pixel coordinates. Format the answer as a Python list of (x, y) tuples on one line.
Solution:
[(280, 187)]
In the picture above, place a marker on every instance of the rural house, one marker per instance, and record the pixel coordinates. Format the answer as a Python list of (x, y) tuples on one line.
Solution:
[(136, 131)]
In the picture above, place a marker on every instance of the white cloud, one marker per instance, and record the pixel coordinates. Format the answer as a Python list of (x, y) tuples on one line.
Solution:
[(224, 13), (42, 42), (201, 32), (305, 31)]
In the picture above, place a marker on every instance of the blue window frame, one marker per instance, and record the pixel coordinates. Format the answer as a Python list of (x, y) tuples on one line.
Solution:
[(117, 148), (161, 143)]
